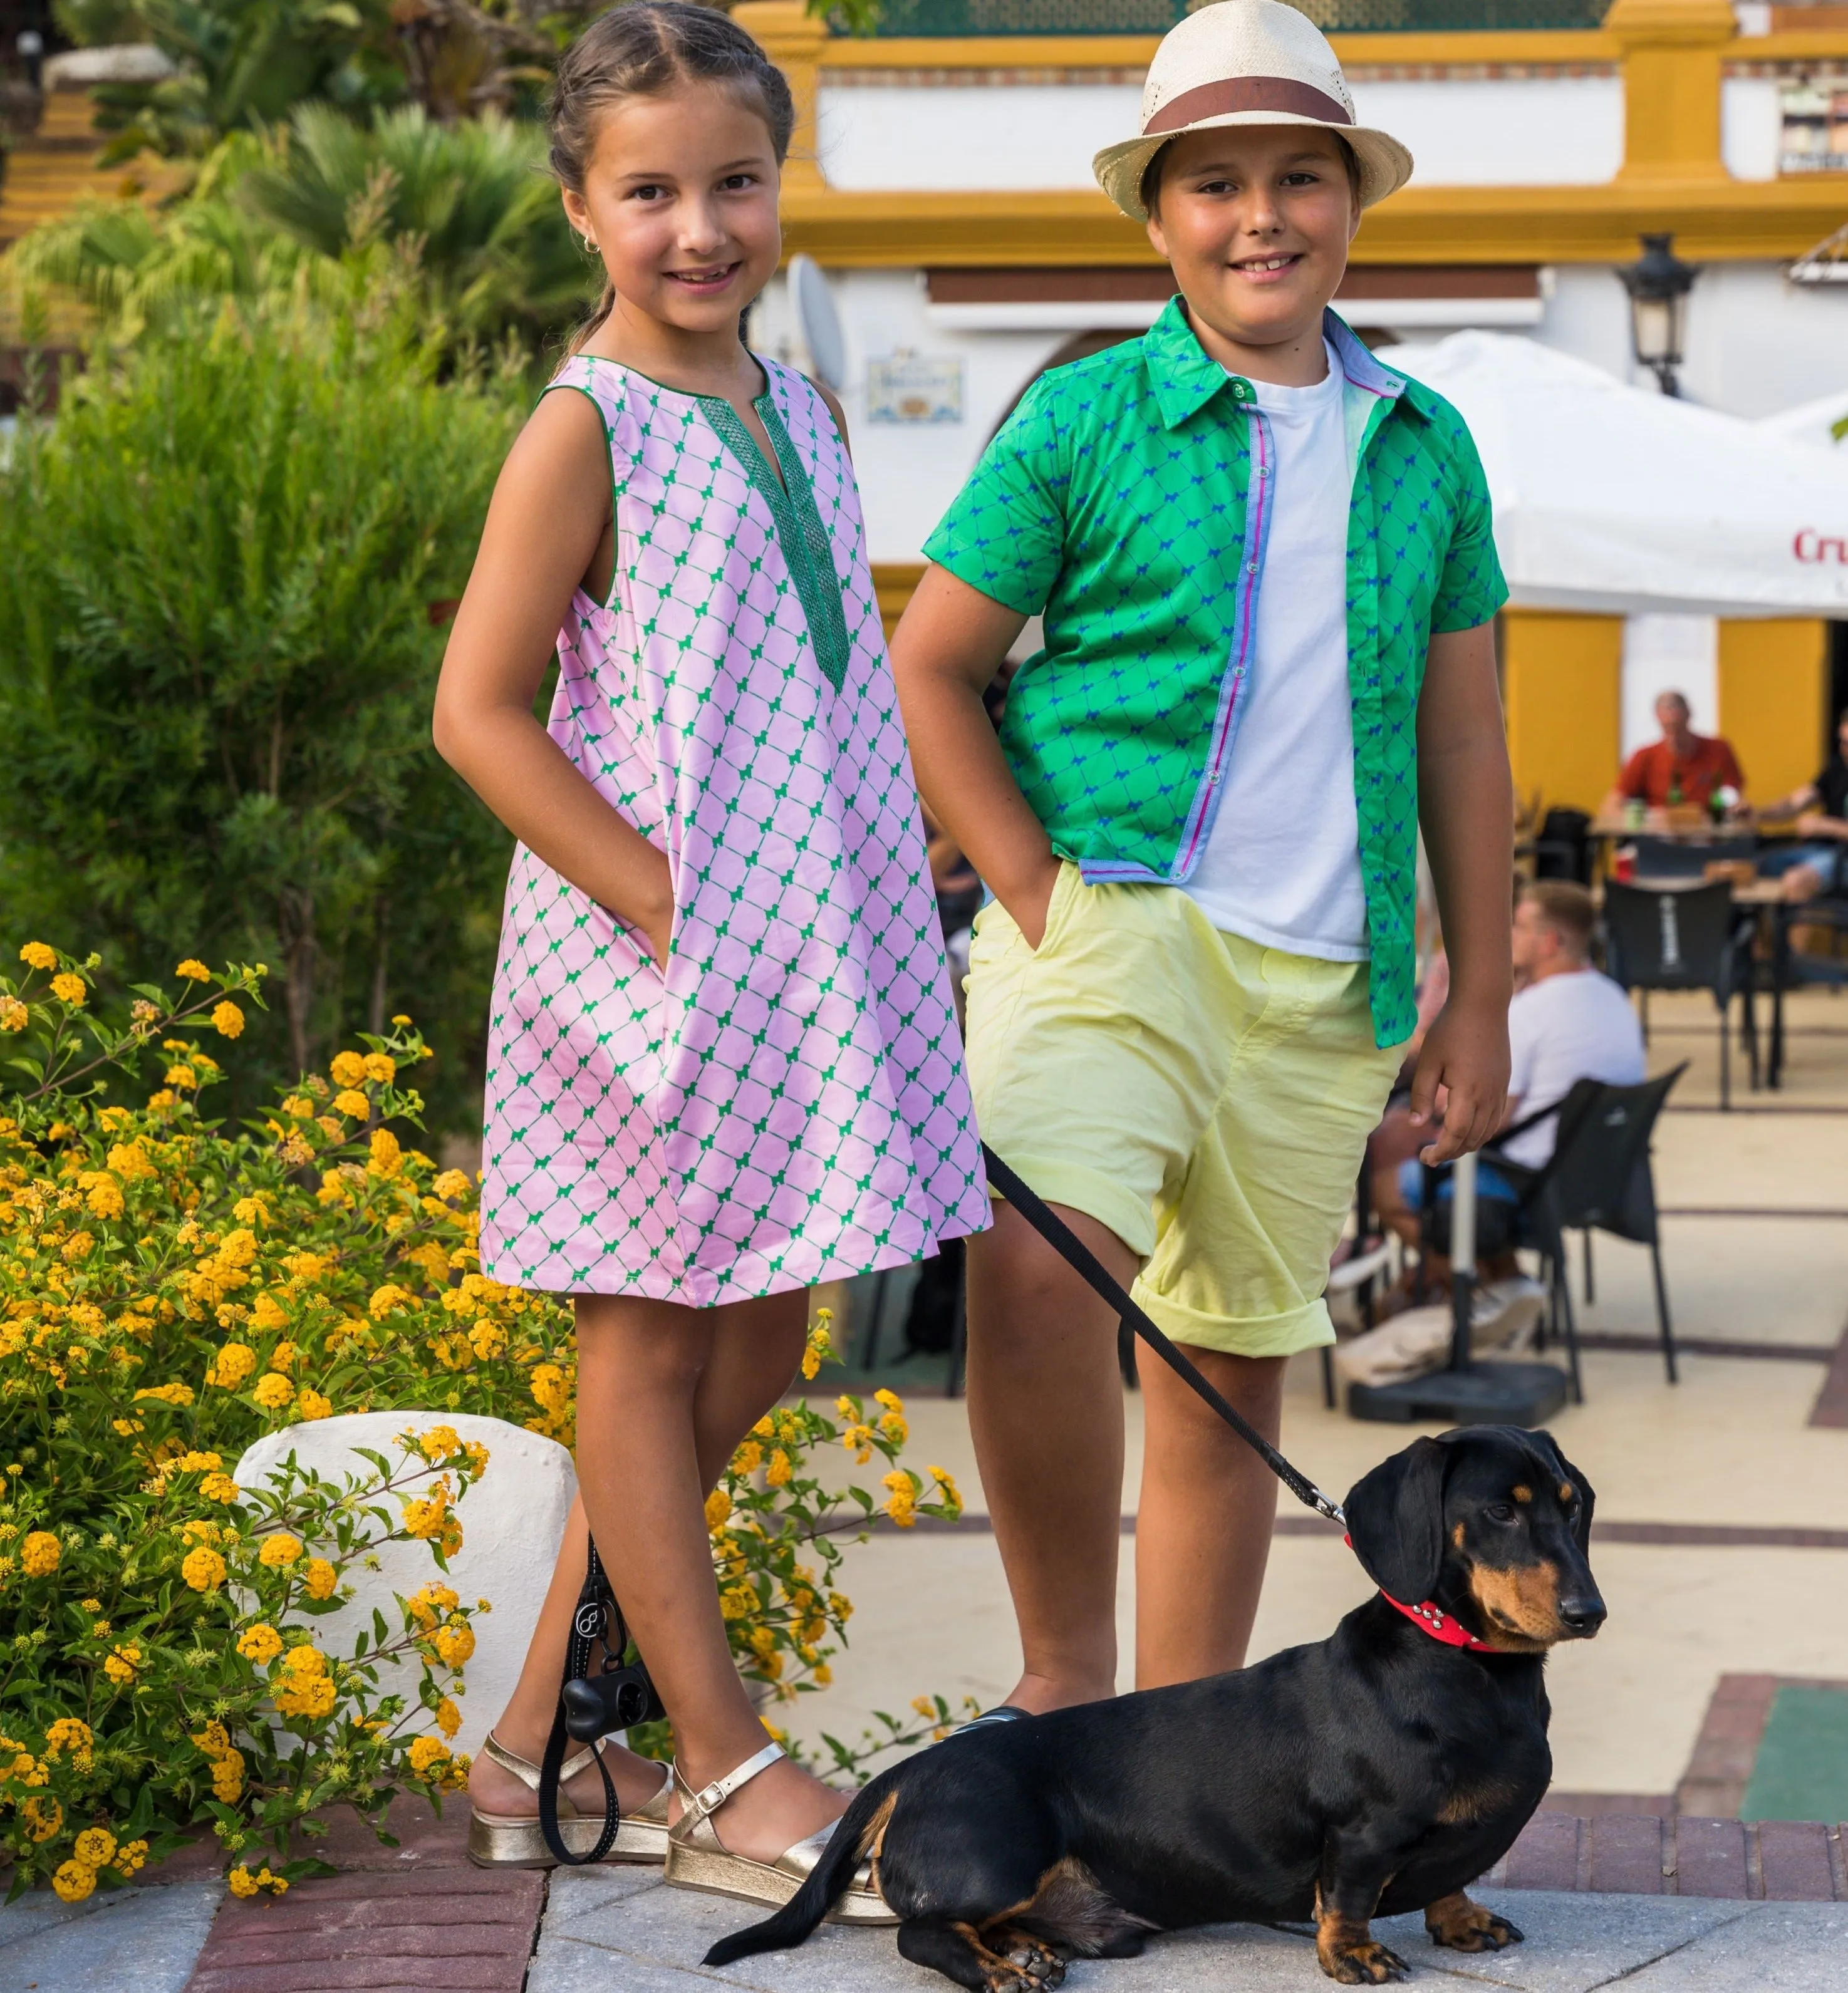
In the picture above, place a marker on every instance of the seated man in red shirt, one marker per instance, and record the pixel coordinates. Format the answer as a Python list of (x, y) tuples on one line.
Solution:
[(1682, 767)]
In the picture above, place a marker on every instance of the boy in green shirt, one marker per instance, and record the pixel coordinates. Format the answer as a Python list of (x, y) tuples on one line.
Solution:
[(1265, 566)]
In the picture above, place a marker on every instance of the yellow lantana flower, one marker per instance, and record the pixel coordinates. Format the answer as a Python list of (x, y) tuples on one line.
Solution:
[(35, 955), (124, 1664), (235, 1362), (193, 971), (281, 1550), (312, 1405), (426, 1752), (227, 1020), (261, 1644), (455, 1644), (39, 1553), (272, 1390), (348, 1069), (204, 1570), (95, 1846), (71, 989), (320, 1579), (73, 1882)]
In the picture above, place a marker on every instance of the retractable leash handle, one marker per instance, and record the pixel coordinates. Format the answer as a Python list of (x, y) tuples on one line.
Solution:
[(1076, 1255)]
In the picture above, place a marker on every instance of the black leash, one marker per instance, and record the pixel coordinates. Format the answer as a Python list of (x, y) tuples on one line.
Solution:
[(1076, 1255), (590, 1706)]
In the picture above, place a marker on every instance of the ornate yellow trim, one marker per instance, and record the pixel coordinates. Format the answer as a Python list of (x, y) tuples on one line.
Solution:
[(1713, 220), (1672, 53), (1136, 51)]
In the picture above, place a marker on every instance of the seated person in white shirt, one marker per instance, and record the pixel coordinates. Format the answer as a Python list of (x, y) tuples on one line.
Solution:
[(1567, 1023)]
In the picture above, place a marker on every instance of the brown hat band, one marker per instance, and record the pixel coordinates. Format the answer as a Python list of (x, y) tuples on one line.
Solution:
[(1246, 93)]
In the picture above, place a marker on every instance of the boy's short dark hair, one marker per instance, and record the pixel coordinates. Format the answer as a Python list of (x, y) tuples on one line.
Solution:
[(1151, 188), (1566, 907)]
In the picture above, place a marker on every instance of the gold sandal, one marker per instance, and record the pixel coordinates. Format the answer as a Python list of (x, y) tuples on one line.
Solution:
[(515, 1840), (697, 1859)]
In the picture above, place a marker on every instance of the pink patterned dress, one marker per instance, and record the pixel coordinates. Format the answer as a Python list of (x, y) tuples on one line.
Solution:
[(787, 1104)]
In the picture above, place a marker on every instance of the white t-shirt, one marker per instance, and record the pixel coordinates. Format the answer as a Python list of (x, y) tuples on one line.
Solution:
[(1282, 862), (1576, 1026)]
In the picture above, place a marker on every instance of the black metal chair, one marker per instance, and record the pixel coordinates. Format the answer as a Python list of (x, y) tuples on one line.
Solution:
[(1563, 850), (1794, 969), (1598, 1176), (1684, 938)]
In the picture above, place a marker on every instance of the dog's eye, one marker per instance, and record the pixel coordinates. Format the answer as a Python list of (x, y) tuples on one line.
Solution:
[(1500, 1512)]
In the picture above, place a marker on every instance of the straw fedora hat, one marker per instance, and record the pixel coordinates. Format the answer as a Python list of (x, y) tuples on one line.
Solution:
[(1246, 61)]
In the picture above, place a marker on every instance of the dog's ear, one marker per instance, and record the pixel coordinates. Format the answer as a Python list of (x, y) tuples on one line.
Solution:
[(1395, 1520), (1581, 1528)]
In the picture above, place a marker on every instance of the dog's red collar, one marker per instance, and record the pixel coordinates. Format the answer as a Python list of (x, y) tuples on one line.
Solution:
[(1434, 1620)]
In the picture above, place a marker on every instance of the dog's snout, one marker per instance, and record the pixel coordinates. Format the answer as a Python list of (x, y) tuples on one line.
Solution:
[(1581, 1613)]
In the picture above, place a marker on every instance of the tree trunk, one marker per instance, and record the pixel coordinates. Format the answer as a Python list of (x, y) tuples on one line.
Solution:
[(381, 949), (297, 934)]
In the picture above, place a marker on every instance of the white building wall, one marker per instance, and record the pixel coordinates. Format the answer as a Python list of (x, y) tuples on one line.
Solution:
[(1751, 123), (909, 473), (1546, 131), (1514, 131)]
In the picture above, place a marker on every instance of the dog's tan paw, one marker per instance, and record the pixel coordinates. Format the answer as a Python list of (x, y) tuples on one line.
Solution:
[(1360, 1962), (1464, 1925)]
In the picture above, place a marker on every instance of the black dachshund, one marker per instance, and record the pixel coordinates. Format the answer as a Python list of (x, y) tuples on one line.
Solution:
[(1381, 1771)]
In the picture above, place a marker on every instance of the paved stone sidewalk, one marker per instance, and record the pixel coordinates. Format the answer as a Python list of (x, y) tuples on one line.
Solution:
[(1666, 1906), (609, 1930)]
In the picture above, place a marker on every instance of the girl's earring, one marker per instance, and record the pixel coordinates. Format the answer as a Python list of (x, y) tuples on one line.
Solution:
[(590, 247)]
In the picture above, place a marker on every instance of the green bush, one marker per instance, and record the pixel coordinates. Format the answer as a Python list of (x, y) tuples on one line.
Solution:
[(173, 1287), (469, 216), (229, 563)]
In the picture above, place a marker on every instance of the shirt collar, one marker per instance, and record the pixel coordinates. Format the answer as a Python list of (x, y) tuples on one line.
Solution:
[(1185, 379)]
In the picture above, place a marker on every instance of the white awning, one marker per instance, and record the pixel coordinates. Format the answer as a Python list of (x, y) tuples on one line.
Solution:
[(1619, 500), (1810, 425)]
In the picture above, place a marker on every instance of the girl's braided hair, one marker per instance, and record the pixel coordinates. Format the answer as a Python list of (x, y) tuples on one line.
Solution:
[(646, 48)]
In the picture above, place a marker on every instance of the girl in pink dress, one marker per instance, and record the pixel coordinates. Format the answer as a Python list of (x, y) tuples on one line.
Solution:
[(723, 1063)]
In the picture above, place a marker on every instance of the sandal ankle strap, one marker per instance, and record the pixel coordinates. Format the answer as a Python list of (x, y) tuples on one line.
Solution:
[(705, 1802), (524, 1770)]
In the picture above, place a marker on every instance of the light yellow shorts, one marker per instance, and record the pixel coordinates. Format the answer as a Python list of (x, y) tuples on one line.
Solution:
[(1207, 1098)]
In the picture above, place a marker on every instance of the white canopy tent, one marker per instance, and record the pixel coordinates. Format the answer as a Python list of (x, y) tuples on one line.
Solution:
[(1619, 500), (1811, 425)]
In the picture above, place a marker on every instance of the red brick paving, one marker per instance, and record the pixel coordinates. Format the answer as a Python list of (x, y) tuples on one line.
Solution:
[(1794, 1861), (1776, 1860), (1720, 1765), (395, 1920), (1626, 1853)]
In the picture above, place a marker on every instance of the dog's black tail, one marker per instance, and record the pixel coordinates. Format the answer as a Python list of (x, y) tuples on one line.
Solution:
[(827, 1882)]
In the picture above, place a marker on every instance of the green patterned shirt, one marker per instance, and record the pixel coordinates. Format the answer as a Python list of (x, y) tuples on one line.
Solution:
[(1126, 500)]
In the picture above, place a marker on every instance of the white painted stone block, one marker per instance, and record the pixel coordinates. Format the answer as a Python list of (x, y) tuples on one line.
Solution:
[(511, 1519)]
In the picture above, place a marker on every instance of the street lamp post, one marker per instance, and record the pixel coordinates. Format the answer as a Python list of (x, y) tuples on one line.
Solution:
[(1659, 282)]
